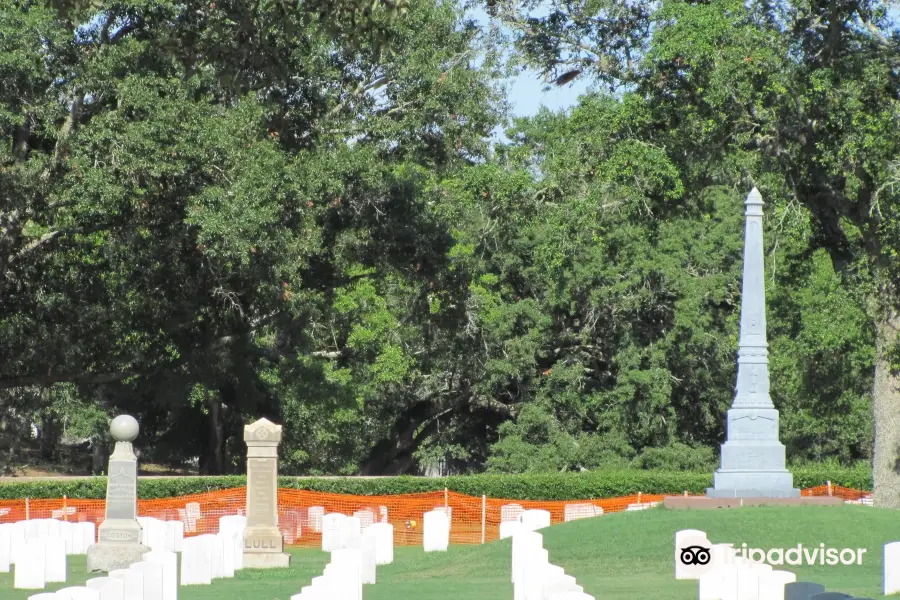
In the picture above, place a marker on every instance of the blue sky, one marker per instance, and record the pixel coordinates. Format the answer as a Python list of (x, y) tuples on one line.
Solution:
[(527, 96), (525, 90)]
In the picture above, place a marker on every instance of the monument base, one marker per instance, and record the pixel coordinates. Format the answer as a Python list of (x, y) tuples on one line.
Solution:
[(704, 503), (266, 560), (109, 557), (788, 493), (753, 483)]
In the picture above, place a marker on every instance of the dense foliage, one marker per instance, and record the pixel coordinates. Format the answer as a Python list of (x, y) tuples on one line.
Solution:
[(540, 486), (216, 211)]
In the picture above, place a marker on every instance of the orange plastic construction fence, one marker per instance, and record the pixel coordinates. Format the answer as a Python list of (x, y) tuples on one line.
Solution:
[(473, 520)]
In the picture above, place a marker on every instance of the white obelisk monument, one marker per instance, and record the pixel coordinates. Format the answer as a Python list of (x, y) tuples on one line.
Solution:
[(753, 460)]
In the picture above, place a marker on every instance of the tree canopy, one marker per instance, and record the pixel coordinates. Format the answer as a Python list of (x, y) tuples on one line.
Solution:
[(216, 211)]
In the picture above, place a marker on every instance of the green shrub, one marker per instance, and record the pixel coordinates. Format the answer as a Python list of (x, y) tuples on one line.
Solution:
[(554, 486), (678, 457)]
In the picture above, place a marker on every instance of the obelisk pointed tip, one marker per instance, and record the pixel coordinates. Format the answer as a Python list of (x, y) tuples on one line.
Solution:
[(754, 197)]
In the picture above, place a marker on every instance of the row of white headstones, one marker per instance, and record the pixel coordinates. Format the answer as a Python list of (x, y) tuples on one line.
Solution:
[(355, 554), (203, 558), (732, 577), (534, 577), (39, 548)]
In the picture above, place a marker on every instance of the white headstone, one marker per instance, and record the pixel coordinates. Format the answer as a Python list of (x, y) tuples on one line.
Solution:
[(711, 583), (891, 566), (333, 531), (366, 546), (42, 528), (530, 566), (560, 585), (435, 531), (30, 566), (191, 516), (524, 542), (174, 535), (152, 574), (227, 542), (196, 560), (681, 537), (17, 540), (448, 510), (6, 547), (77, 593), (155, 534), (54, 528), (56, 566), (96, 583), (232, 524), (132, 583), (67, 533), (110, 589), (323, 587), (748, 582), (84, 535), (722, 554), (571, 596), (510, 528), (169, 562), (235, 524), (384, 542), (314, 518), (366, 517), (347, 564), (535, 519), (238, 552), (771, 584), (510, 512), (573, 512), (542, 576), (217, 564), (352, 527), (724, 581), (43, 596)]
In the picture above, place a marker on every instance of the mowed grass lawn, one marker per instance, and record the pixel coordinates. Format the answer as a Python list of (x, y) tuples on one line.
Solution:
[(618, 556)]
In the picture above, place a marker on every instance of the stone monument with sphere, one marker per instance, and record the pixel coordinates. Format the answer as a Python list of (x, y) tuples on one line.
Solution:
[(118, 537), (263, 541)]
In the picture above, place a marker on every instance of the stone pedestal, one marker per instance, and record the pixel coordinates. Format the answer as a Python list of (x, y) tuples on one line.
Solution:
[(263, 542), (753, 459), (706, 503), (118, 537)]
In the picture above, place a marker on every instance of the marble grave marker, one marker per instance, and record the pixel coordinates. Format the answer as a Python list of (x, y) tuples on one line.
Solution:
[(118, 537), (263, 541)]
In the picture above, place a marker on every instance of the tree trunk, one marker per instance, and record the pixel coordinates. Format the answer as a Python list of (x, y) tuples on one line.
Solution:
[(886, 408), (49, 439), (213, 459), (97, 456)]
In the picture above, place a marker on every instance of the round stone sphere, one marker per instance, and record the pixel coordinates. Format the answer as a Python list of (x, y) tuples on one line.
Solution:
[(124, 428)]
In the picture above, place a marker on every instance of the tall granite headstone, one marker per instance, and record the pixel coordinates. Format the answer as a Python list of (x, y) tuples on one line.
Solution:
[(118, 537), (753, 461), (263, 541)]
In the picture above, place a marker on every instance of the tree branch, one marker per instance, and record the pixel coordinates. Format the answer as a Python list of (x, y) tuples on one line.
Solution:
[(45, 380), (49, 237), (360, 89), (123, 31)]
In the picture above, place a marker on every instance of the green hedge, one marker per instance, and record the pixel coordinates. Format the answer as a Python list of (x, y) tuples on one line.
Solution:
[(558, 486)]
